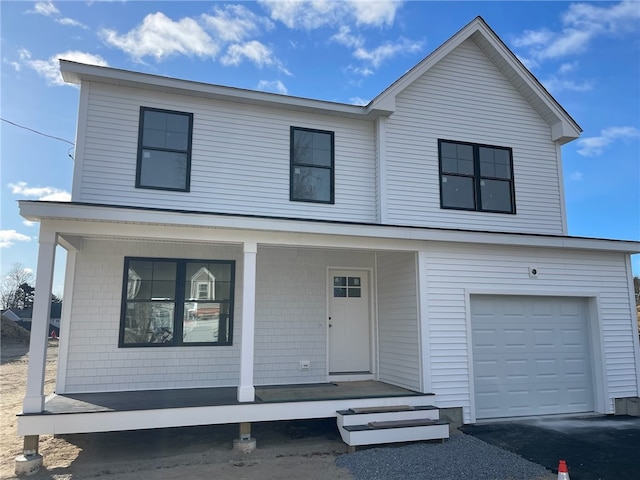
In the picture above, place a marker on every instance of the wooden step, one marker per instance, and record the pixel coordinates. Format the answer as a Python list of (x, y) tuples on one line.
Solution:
[(394, 408), (395, 432), (360, 416)]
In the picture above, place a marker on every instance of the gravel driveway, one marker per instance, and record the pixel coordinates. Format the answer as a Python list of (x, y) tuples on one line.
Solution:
[(461, 457)]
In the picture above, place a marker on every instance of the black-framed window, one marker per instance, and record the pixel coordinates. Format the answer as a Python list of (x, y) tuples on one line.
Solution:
[(176, 302), (164, 149), (476, 177), (312, 165)]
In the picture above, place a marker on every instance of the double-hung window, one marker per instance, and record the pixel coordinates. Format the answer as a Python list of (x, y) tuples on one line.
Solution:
[(175, 302), (312, 165), (164, 149), (476, 177)]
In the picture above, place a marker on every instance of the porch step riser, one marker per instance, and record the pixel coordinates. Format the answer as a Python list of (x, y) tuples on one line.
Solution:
[(364, 418), (395, 435)]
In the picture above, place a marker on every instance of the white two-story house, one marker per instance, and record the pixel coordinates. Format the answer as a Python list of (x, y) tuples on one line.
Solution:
[(223, 242)]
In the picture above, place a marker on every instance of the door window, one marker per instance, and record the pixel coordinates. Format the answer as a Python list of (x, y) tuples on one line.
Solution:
[(347, 287)]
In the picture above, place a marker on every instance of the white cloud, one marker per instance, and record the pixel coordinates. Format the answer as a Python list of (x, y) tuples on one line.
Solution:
[(388, 50), (344, 37), (9, 237), (555, 84), (567, 67), (253, 51), (71, 22), (576, 176), (581, 23), (594, 146), (40, 193), (29, 223), (235, 23), (533, 38), (358, 101), (48, 9), (380, 13), (158, 36), (376, 56), (45, 8), (50, 69), (362, 71), (272, 86), (312, 14)]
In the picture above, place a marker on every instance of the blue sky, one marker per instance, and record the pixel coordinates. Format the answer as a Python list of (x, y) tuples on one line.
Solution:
[(587, 54)]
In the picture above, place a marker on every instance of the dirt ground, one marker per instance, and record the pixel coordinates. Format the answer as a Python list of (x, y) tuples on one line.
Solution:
[(286, 450)]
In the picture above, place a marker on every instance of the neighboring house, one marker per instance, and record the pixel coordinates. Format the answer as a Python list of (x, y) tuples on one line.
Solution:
[(221, 239), (24, 316)]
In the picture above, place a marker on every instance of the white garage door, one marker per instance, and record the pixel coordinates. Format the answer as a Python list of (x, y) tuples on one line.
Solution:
[(531, 356)]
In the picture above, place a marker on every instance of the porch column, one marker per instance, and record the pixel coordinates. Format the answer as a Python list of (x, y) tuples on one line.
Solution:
[(246, 390), (34, 399)]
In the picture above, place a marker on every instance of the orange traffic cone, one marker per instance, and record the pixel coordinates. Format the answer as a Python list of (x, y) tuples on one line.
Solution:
[(563, 471)]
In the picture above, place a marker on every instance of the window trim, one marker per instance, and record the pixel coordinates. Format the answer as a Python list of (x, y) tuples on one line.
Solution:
[(179, 300), (477, 178), (292, 165), (142, 147)]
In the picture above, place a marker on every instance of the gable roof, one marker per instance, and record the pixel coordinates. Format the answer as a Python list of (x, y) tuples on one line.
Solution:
[(563, 127)]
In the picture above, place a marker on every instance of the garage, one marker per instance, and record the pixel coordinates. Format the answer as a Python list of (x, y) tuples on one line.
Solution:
[(531, 356)]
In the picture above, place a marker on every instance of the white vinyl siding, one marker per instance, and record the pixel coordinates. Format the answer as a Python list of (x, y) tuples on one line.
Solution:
[(456, 271), (398, 333), (291, 311), (465, 98), (239, 160)]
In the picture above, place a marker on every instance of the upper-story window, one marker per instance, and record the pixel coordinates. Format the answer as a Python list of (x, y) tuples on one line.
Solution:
[(312, 164), (476, 177), (164, 149)]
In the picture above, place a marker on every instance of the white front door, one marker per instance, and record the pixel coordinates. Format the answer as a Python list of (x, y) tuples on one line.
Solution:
[(349, 322)]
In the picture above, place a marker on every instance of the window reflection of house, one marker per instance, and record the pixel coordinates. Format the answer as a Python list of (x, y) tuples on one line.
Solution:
[(202, 316), (203, 285), (133, 284)]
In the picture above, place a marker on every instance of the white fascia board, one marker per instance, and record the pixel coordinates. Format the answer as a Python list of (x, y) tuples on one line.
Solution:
[(77, 73), (292, 230)]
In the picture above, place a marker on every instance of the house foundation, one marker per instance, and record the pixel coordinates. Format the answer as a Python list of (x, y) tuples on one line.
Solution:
[(245, 444), (30, 461)]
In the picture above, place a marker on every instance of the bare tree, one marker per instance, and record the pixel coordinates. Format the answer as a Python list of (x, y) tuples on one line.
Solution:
[(13, 288), (636, 289)]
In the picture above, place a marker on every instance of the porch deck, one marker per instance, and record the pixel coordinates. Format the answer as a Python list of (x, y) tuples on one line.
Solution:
[(132, 410)]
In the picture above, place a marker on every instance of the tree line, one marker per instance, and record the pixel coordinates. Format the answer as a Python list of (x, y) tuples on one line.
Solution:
[(17, 290)]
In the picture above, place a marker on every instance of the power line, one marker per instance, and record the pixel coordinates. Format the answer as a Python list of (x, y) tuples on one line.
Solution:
[(36, 131)]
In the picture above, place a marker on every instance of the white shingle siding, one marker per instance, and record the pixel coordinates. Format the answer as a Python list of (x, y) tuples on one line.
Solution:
[(240, 157), (291, 311), (398, 333), (453, 271), (465, 98), (95, 363)]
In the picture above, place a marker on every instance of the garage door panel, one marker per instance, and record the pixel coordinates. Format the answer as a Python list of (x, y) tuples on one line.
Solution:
[(531, 356)]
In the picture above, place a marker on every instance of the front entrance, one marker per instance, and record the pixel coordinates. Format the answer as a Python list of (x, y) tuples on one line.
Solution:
[(349, 322)]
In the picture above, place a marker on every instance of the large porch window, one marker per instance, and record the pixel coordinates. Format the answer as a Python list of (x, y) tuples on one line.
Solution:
[(176, 302)]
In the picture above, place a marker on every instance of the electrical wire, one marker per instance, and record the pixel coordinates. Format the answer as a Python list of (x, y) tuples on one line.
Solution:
[(36, 131)]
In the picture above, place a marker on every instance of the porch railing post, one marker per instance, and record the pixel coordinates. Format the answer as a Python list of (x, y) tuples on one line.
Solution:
[(246, 390)]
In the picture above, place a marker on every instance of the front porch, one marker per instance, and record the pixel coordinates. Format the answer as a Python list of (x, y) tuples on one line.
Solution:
[(147, 409)]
